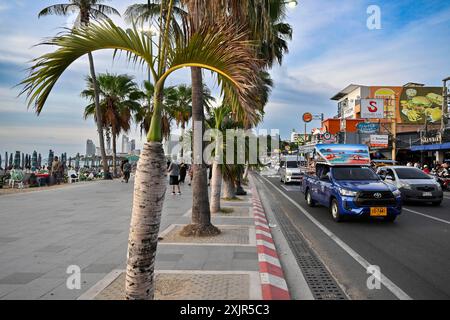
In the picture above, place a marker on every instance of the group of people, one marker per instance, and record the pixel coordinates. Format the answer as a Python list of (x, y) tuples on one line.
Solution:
[(438, 169)]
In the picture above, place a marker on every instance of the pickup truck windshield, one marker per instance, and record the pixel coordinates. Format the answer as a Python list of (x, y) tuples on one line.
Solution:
[(292, 164), (354, 173), (411, 173)]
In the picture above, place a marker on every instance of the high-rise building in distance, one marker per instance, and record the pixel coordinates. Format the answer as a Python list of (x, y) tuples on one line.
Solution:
[(90, 148)]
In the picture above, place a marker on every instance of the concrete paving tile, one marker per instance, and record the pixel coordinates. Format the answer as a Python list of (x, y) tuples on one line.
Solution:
[(20, 278)]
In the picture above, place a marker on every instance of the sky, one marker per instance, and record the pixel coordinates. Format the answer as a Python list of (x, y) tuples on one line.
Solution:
[(331, 48)]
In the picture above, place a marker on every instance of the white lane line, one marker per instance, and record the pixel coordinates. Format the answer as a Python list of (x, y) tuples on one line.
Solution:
[(399, 293), (426, 215)]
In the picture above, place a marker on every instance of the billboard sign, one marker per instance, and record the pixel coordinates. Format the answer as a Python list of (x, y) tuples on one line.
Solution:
[(344, 154), (421, 104), (372, 108), (379, 141), (368, 127)]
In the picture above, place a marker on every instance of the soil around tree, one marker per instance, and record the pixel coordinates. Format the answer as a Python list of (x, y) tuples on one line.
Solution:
[(199, 230)]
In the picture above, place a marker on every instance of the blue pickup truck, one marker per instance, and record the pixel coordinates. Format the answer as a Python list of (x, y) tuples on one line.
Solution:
[(344, 182)]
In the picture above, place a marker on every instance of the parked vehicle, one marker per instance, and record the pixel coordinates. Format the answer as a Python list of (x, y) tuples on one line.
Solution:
[(290, 170), (414, 184), (344, 182)]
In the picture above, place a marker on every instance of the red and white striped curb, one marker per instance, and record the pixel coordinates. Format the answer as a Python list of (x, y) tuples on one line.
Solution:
[(273, 284)]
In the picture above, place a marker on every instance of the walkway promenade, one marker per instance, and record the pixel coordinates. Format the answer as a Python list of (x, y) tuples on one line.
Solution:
[(86, 225)]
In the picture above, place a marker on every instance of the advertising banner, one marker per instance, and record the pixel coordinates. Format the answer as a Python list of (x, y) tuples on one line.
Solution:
[(344, 154), (391, 97), (421, 104), (372, 108), (379, 141)]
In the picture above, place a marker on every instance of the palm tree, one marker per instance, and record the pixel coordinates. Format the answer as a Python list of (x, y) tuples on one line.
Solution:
[(220, 47), (143, 116), (118, 95), (220, 121), (87, 10)]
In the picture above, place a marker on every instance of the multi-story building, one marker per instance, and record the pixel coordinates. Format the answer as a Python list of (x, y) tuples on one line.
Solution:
[(90, 148), (125, 144), (411, 119)]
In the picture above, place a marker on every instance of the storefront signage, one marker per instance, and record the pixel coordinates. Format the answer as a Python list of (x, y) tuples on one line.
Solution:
[(372, 108), (368, 127), (379, 141), (437, 138)]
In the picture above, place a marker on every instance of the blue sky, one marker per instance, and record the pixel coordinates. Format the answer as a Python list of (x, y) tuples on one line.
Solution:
[(332, 47)]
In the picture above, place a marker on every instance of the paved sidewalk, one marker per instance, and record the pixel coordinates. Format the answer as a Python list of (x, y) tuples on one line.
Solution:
[(86, 225)]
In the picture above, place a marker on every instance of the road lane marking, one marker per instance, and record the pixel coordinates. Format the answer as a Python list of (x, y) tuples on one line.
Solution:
[(426, 215), (399, 293)]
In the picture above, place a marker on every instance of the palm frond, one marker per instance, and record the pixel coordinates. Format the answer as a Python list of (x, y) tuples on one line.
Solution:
[(62, 9)]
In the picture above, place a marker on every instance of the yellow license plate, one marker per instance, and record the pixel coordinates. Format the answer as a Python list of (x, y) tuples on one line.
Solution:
[(378, 212)]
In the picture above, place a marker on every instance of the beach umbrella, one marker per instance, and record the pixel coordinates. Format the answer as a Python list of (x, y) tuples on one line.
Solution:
[(39, 160), (1, 162), (17, 160), (22, 164), (6, 160), (10, 160), (34, 161)]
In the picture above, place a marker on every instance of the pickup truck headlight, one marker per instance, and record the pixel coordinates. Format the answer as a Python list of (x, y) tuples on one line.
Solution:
[(405, 185), (397, 193), (288, 173), (347, 193)]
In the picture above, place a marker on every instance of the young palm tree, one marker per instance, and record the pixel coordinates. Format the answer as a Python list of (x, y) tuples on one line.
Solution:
[(220, 47), (87, 10), (118, 95)]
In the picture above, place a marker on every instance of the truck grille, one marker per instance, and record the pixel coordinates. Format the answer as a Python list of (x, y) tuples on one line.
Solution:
[(375, 198), (425, 188)]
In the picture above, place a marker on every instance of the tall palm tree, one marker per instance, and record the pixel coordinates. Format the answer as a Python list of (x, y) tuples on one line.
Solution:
[(118, 101), (87, 10), (219, 47)]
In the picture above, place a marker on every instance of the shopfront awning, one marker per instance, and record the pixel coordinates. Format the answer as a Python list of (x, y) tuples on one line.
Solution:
[(432, 147)]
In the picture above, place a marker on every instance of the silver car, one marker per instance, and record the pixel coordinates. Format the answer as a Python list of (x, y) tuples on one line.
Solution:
[(414, 184)]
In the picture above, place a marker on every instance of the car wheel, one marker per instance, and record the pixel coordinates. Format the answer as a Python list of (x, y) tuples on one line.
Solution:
[(335, 212), (436, 203), (390, 218), (309, 201)]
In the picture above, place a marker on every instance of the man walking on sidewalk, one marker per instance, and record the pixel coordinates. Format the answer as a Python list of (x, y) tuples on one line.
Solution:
[(174, 172)]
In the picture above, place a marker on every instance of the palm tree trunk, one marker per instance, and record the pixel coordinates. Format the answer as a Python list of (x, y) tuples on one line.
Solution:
[(114, 155), (201, 216), (216, 186), (229, 190), (149, 191), (182, 141), (98, 115), (244, 178)]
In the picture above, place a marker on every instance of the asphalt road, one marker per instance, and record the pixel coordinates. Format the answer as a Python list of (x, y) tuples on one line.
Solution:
[(413, 253)]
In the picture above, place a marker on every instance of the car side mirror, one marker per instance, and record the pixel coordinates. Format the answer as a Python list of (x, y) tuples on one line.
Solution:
[(382, 176)]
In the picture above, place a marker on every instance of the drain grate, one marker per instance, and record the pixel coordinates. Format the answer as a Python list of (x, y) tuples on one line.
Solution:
[(322, 284)]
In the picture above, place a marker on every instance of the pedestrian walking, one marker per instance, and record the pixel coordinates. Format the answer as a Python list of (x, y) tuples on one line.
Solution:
[(426, 169), (126, 171), (55, 170), (183, 172), (174, 173)]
